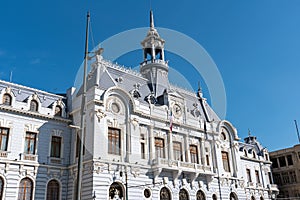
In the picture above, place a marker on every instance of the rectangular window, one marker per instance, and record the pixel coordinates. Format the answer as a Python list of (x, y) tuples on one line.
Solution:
[(248, 175), (285, 177), (159, 148), (143, 156), (194, 154), (289, 159), (277, 179), (4, 133), (207, 159), (55, 147), (30, 143), (274, 162), (143, 146), (225, 160), (177, 151), (282, 162), (293, 176), (114, 141), (257, 176)]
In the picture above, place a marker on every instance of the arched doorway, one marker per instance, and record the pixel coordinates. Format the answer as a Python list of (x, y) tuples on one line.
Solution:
[(261, 198), (116, 191), (233, 196), (183, 195), (252, 198), (53, 190), (165, 194), (200, 195)]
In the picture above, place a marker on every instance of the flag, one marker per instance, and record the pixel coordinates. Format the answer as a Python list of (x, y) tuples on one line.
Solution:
[(171, 121)]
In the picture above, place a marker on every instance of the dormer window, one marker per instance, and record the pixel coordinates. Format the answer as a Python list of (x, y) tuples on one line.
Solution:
[(7, 99), (253, 153), (58, 111), (33, 106), (245, 152)]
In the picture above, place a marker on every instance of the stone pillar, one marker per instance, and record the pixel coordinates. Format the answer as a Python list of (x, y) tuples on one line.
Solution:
[(187, 149), (202, 152), (151, 144), (170, 146)]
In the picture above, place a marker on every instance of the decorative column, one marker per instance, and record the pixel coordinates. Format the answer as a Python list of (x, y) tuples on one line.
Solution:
[(170, 146), (151, 144), (187, 149), (202, 152)]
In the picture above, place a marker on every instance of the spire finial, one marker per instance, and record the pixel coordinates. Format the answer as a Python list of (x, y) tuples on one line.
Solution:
[(151, 20), (249, 132)]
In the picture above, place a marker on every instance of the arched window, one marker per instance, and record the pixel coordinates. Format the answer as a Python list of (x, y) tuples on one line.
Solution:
[(214, 197), (233, 196), (245, 152), (253, 153), (1, 188), (116, 191), (33, 105), (165, 194), (200, 195), (58, 111), (53, 190), (7, 99), (25, 189), (183, 195)]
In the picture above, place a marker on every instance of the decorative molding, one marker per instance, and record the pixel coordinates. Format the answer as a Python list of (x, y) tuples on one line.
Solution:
[(57, 132), (100, 114), (6, 123), (31, 128)]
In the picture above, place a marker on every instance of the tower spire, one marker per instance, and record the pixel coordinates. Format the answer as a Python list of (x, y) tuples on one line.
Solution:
[(151, 20)]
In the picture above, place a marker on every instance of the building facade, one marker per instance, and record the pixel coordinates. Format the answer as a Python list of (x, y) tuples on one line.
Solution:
[(143, 139), (285, 169)]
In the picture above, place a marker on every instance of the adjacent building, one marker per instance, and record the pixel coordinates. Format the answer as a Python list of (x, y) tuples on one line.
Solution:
[(285, 169), (144, 138)]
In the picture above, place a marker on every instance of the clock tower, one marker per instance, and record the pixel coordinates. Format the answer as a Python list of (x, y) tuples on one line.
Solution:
[(154, 67)]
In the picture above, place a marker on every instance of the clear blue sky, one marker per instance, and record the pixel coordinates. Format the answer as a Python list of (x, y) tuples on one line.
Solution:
[(255, 44)]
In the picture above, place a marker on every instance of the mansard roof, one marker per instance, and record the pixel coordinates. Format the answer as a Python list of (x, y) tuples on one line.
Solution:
[(130, 80)]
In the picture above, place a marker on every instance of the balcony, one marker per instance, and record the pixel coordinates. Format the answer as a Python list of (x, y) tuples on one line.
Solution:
[(55, 161), (29, 157), (180, 165), (273, 187), (3, 154)]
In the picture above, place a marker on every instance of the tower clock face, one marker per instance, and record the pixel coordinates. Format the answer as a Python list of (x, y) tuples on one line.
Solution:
[(177, 110)]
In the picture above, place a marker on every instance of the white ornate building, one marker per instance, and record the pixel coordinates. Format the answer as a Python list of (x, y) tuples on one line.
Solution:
[(144, 139)]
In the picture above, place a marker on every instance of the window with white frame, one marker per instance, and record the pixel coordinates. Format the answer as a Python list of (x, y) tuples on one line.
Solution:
[(56, 142), (194, 154), (159, 148), (225, 160), (33, 106), (7, 99), (177, 151), (30, 143), (4, 134)]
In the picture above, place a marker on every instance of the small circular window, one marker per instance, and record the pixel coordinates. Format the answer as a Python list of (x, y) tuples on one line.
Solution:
[(115, 108), (147, 193)]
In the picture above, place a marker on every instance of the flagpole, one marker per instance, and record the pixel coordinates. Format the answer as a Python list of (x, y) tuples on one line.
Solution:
[(83, 111), (297, 130)]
